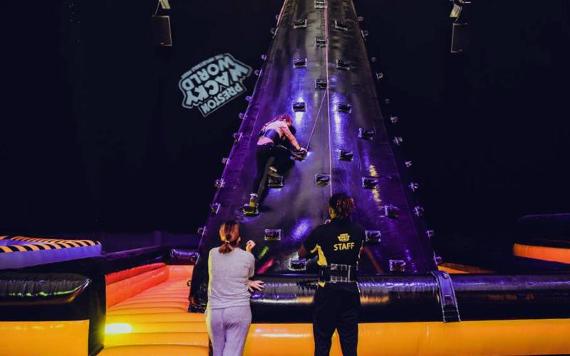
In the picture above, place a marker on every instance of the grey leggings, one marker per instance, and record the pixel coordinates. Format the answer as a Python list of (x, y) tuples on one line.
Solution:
[(228, 329)]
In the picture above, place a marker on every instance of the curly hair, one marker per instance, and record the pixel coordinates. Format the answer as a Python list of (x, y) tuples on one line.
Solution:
[(342, 205)]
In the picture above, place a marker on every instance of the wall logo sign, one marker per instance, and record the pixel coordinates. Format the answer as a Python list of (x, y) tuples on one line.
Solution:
[(213, 83)]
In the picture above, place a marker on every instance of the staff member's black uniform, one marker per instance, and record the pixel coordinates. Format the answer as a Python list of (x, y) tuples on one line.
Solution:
[(336, 304)]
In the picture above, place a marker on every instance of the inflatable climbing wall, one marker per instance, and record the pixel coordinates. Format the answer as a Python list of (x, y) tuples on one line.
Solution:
[(317, 70)]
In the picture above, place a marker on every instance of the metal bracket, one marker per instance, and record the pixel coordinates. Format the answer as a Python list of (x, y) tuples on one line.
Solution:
[(343, 107), (366, 134), (397, 265), (301, 23), (219, 183), (447, 298), (373, 236), (272, 235), (322, 179), (275, 182), (346, 155), (320, 41), (370, 182), (215, 208), (237, 136), (299, 62), (320, 84), (299, 106), (273, 31), (201, 231), (390, 211), (342, 65), (297, 265), (414, 186), (339, 25), (418, 211)]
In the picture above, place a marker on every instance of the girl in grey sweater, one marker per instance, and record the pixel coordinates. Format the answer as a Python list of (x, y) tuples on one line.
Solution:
[(228, 314)]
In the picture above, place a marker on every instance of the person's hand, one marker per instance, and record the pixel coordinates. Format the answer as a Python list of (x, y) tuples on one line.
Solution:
[(302, 150), (253, 286), (249, 246)]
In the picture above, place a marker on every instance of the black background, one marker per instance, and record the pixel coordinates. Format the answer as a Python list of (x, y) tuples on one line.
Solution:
[(94, 137)]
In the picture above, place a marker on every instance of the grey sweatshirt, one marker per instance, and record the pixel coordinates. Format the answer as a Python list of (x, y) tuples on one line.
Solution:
[(229, 274)]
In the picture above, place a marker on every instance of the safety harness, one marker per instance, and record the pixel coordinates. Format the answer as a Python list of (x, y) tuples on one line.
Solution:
[(338, 273)]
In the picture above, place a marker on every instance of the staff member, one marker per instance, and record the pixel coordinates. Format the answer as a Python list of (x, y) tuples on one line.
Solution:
[(337, 300)]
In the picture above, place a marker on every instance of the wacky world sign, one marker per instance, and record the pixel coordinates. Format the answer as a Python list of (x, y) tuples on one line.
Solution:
[(213, 83)]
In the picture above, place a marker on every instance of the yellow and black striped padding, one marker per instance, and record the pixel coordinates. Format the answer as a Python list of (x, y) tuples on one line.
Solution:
[(40, 244)]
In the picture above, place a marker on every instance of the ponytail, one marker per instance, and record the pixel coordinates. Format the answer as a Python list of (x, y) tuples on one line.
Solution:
[(229, 234)]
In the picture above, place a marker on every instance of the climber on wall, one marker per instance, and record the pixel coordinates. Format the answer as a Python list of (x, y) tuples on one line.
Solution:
[(272, 154)]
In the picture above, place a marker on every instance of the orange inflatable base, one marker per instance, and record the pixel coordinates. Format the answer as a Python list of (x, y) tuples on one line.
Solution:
[(492, 337), (46, 338), (155, 323), (543, 253)]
